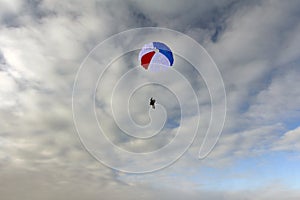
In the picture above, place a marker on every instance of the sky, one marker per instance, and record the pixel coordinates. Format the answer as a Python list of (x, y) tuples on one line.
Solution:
[(60, 84)]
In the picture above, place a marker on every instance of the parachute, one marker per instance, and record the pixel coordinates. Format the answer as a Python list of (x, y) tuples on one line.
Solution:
[(156, 56)]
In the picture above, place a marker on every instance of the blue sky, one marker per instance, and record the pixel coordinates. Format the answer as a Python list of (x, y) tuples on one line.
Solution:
[(255, 45)]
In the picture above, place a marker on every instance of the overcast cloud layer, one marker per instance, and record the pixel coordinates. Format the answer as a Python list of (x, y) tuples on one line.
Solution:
[(256, 47)]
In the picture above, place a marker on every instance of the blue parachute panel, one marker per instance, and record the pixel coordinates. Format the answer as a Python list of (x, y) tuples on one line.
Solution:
[(165, 50), (161, 46)]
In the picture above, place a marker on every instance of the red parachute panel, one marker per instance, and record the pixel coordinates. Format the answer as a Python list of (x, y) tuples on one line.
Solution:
[(146, 59)]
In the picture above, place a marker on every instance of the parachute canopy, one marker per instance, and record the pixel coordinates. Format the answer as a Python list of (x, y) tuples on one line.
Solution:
[(155, 55)]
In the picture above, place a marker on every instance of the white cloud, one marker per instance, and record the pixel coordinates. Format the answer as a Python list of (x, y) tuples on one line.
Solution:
[(42, 45), (279, 101), (289, 141)]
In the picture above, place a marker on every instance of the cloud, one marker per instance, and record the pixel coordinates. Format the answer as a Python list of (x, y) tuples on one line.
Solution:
[(289, 141), (42, 43), (278, 102)]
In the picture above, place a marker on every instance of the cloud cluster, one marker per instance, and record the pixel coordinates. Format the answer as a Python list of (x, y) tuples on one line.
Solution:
[(42, 43)]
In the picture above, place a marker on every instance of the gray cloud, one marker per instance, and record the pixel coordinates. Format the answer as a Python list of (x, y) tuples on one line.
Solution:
[(42, 43)]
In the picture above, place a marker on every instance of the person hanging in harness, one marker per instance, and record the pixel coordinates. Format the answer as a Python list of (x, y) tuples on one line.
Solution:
[(152, 103)]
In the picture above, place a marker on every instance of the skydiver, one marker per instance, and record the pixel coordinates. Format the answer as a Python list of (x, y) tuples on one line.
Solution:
[(152, 103)]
